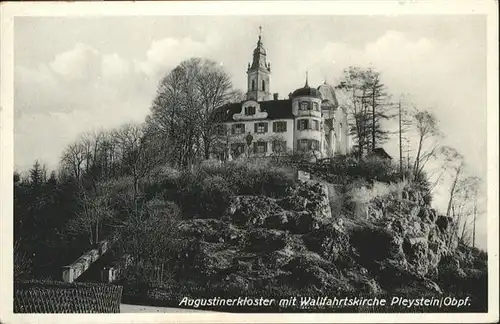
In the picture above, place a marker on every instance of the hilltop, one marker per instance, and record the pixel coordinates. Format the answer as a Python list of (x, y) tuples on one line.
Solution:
[(256, 230)]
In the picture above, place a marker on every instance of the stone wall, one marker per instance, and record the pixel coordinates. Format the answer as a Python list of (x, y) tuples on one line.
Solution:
[(73, 271)]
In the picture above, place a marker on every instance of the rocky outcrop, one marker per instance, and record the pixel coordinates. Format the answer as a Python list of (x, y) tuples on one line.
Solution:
[(295, 242)]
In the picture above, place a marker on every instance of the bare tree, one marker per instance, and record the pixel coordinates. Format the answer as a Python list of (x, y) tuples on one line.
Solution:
[(427, 147), (455, 164), (138, 152), (94, 209), (404, 125), (183, 110), (465, 206), (214, 87), (73, 160)]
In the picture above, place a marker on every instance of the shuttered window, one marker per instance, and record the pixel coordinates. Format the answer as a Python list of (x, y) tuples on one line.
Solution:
[(303, 124), (237, 148), (279, 127), (260, 128), (260, 147)]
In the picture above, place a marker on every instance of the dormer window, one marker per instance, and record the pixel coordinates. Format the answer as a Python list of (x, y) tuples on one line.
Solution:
[(250, 110)]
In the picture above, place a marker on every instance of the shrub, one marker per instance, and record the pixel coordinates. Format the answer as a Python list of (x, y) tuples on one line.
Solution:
[(256, 177), (202, 195), (163, 181), (216, 195)]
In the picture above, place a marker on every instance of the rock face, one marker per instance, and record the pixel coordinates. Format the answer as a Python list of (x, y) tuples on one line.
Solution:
[(296, 242)]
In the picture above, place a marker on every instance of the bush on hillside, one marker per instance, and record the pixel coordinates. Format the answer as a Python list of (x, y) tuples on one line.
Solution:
[(257, 177), (163, 181), (203, 195), (343, 170)]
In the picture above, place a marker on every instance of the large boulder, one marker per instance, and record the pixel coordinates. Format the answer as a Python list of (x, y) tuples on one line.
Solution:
[(308, 196), (331, 241), (376, 243), (309, 269), (252, 210)]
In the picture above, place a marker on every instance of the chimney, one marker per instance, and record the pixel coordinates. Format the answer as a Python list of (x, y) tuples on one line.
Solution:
[(275, 95)]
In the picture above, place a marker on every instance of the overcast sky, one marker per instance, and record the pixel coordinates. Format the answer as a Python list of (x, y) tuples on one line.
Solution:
[(77, 74)]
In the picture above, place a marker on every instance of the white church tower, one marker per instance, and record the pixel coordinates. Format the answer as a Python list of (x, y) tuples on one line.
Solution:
[(259, 74)]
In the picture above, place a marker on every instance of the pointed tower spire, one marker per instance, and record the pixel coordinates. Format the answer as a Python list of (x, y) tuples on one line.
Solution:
[(307, 80), (259, 72)]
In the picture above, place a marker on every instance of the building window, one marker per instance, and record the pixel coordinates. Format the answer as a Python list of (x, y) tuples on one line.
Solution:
[(307, 144), (340, 132), (314, 145), (263, 85), (260, 147), (250, 110), (315, 106), (253, 84), (238, 129), (302, 124), (279, 127), (260, 128), (304, 105), (237, 149), (279, 146), (302, 144)]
